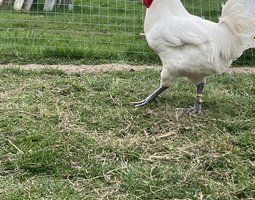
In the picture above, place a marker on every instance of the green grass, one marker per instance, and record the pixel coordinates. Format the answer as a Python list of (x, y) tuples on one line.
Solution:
[(75, 136), (94, 32)]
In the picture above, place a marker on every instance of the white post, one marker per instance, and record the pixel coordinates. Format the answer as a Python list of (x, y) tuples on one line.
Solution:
[(18, 4), (48, 5), (27, 4)]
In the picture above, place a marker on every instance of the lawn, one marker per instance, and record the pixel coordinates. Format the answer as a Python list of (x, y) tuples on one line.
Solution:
[(95, 31), (75, 136)]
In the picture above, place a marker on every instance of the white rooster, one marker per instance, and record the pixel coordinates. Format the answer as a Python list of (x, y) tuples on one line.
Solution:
[(192, 47)]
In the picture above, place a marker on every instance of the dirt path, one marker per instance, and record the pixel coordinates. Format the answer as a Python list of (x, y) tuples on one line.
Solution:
[(109, 67)]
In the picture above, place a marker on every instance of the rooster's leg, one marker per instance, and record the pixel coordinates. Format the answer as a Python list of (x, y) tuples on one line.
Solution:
[(198, 101), (150, 98)]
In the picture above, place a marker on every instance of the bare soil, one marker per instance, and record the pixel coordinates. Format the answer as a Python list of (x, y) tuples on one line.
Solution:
[(110, 67)]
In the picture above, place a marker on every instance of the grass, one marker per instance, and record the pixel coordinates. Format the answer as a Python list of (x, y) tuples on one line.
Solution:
[(75, 136), (94, 32)]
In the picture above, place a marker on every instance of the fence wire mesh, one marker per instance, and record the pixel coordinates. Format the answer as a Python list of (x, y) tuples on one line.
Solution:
[(84, 31)]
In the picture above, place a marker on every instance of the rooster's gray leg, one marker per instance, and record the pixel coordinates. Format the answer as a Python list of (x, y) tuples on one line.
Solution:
[(197, 106), (150, 98)]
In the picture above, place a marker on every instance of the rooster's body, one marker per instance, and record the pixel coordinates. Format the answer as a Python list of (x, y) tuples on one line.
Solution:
[(192, 47)]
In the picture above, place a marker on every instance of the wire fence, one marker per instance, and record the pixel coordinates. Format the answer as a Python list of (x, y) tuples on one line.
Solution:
[(84, 31)]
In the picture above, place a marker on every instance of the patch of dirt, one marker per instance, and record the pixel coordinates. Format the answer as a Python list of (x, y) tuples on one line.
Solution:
[(85, 68), (241, 70), (110, 67)]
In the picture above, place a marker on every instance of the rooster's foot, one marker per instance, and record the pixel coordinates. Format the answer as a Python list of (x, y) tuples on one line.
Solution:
[(193, 110), (142, 103), (150, 98)]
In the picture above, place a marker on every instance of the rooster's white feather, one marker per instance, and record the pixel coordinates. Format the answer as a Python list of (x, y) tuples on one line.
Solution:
[(239, 15), (193, 47)]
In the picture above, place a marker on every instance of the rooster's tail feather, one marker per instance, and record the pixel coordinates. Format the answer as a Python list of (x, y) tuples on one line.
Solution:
[(239, 15)]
